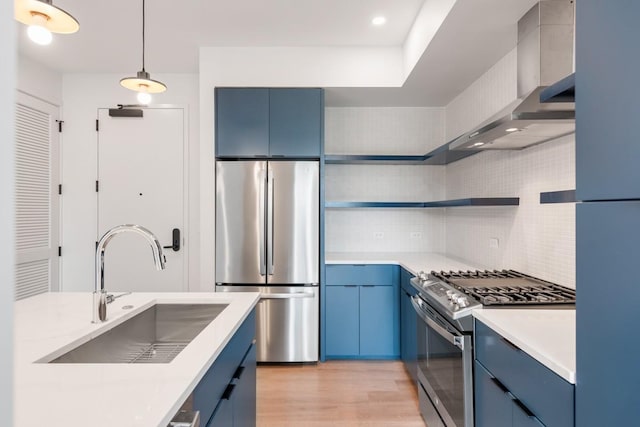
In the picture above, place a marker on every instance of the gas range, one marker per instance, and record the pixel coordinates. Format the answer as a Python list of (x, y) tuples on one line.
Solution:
[(456, 294)]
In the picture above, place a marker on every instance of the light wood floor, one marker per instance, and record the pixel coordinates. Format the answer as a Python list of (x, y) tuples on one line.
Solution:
[(337, 393)]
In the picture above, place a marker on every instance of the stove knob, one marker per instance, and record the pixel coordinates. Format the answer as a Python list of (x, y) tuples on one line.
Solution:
[(463, 301), (422, 276), (450, 295)]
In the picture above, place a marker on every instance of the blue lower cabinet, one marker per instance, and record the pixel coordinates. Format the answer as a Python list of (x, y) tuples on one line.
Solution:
[(226, 395), (342, 321), (493, 406), (362, 312), (408, 326), (378, 321), (539, 397)]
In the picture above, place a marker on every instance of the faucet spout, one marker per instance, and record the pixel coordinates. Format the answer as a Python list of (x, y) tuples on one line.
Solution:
[(100, 293)]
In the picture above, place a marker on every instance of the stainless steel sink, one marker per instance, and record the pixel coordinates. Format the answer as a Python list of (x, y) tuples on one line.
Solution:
[(157, 335)]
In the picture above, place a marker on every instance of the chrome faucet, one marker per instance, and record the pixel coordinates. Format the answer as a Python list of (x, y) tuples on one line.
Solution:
[(100, 294)]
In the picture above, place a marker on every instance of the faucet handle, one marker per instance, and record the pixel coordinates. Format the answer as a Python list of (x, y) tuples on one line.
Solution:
[(102, 307)]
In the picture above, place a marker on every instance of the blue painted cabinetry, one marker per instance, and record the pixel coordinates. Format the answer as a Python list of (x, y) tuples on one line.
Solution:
[(261, 122), (362, 312), (608, 229), (408, 326), (226, 395), (513, 389)]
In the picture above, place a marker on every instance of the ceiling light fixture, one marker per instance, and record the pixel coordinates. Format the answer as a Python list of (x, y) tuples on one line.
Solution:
[(478, 144), (379, 20), (512, 130), (142, 82), (43, 18)]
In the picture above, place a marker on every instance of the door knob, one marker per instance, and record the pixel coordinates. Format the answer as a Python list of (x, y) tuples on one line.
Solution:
[(175, 241)]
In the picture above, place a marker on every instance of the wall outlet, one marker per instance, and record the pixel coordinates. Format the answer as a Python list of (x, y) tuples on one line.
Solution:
[(415, 235), (378, 235), (494, 243)]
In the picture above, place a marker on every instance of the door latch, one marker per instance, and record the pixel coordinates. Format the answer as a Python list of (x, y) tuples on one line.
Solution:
[(175, 241)]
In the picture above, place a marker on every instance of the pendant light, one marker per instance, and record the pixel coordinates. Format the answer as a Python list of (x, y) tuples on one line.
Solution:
[(43, 18), (142, 82)]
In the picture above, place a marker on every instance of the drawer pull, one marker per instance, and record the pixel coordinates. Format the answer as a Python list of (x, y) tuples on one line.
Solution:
[(510, 344), (228, 392), (500, 385), (238, 372), (524, 408)]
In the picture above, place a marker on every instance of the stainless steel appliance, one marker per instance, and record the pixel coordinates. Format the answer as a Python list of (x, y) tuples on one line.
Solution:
[(445, 332), (267, 240)]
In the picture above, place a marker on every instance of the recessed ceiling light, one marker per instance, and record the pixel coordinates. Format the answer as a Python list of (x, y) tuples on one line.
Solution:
[(512, 130), (379, 20), (478, 144)]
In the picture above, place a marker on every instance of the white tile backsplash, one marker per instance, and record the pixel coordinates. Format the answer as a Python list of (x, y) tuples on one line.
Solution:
[(384, 131), (535, 239)]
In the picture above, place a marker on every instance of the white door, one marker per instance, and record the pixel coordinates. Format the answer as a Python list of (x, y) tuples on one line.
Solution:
[(141, 181), (37, 199)]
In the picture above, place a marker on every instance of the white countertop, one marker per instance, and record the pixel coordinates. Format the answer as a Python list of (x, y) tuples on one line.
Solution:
[(109, 394), (549, 336), (414, 262)]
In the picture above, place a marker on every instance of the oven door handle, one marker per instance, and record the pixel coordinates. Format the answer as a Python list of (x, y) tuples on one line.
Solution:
[(456, 340)]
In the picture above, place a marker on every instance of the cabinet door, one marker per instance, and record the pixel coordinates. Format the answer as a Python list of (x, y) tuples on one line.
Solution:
[(408, 335), (523, 418), (342, 314), (377, 318), (223, 415), (295, 122), (493, 406), (242, 122), (244, 397)]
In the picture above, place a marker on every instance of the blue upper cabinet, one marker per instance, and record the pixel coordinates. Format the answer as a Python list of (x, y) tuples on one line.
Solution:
[(252, 122), (295, 122), (242, 122), (607, 96)]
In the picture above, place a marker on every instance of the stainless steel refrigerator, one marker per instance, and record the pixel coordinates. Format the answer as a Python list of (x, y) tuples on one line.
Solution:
[(267, 240)]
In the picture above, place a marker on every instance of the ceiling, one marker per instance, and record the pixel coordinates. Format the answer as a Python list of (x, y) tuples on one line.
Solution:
[(473, 37)]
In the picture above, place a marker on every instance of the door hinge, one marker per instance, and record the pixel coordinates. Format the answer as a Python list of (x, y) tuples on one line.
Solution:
[(59, 188), (97, 125), (59, 250), (60, 122), (97, 186)]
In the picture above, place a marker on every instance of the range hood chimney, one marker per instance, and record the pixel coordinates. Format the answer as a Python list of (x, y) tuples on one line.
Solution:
[(545, 55)]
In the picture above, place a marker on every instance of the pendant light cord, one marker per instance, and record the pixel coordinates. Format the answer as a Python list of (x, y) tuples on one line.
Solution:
[(143, 35)]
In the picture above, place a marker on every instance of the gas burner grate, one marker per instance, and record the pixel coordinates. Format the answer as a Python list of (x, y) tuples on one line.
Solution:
[(507, 287)]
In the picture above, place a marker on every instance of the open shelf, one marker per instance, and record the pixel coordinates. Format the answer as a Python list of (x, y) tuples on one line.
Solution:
[(566, 196), (561, 91), (475, 201)]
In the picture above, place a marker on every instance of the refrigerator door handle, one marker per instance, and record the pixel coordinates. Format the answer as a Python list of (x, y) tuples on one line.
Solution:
[(263, 215), (270, 222), (287, 296)]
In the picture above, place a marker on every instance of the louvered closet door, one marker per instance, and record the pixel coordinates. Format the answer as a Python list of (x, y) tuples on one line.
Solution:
[(37, 211)]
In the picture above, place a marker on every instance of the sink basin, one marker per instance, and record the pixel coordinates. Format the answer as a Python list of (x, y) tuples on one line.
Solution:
[(157, 335)]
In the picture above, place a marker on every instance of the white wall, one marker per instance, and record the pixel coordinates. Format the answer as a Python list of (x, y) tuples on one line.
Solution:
[(83, 94), (384, 131), (7, 192), (535, 239), (39, 81)]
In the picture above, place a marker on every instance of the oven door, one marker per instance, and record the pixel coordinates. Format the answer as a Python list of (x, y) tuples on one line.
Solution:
[(444, 369)]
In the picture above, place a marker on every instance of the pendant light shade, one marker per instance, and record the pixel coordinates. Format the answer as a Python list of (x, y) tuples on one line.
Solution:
[(43, 18), (142, 82)]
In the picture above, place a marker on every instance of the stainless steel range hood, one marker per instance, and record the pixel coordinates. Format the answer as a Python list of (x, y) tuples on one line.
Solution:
[(545, 55)]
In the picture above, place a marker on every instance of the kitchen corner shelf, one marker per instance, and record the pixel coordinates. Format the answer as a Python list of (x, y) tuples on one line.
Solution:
[(561, 91), (566, 196), (476, 201)]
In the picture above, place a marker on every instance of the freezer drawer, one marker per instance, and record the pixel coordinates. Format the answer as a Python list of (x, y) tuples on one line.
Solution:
[(287, 322)]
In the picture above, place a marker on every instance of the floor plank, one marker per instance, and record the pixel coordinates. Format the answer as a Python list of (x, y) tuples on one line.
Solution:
[(337, 393)]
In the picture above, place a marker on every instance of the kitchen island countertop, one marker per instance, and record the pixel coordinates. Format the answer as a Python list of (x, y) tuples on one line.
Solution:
[(109, 394)]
